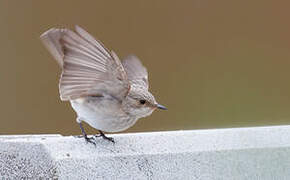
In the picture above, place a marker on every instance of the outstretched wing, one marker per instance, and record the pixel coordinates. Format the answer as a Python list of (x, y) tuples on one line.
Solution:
[(88, 67), (136, 72)]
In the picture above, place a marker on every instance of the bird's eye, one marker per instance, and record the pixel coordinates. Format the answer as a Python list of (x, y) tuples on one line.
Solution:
[(142, 101)]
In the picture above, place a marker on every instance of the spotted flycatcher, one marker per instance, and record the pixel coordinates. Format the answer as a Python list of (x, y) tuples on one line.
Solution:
[(106, 93)]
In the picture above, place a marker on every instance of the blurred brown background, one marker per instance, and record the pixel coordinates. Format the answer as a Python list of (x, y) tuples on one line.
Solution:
[(214, 64)]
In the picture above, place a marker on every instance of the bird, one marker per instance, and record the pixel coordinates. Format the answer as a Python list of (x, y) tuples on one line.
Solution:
[(108, 94)]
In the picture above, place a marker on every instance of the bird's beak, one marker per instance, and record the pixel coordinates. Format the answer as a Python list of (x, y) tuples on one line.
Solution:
[(159, 106)]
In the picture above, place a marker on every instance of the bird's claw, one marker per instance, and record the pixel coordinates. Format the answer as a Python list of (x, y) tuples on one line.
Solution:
[(109, 139), (90, 140), (93, 139), (105, 137)]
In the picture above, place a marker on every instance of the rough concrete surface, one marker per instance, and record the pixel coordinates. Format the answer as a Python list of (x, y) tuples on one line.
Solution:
[(238, 153)]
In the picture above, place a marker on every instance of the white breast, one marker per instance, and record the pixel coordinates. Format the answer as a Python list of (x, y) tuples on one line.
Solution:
[(103, 114)]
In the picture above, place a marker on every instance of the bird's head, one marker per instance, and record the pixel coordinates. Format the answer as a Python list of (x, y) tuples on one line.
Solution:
[(140, 102)]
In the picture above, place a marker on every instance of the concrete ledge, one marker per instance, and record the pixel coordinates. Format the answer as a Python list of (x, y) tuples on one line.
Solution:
[(240, 153)]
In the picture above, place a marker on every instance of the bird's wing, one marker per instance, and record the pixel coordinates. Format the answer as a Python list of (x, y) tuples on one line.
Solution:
[(88, 67), (51, 41), (136, 72)]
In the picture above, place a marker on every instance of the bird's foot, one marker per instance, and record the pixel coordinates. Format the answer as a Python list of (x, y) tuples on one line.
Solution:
[(105, 137), (109, 139), (91, 140)]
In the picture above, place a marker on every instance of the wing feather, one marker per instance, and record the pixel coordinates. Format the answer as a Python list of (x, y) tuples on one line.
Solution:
[(98, 45), (88, 67), (51, 41), (136, 72)]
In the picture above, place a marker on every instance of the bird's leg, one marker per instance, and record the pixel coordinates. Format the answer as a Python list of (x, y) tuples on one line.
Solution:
[(105, 137), (88, 139)]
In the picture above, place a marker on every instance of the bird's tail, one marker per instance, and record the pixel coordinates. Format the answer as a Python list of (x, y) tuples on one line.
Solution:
[(51, 40)]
